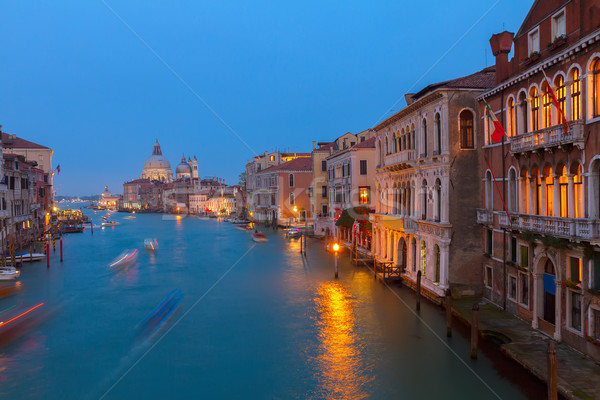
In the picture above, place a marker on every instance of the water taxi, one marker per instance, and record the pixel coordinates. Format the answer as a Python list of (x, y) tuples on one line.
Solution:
[(110, 223), (125, 259), (151, 244), (259, 237), (9, 273)]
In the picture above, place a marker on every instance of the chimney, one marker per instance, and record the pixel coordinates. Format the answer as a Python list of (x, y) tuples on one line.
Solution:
[(501, 44), (314, 145), (409, 98)]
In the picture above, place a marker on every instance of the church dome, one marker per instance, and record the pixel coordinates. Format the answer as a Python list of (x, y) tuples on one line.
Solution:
[(157, 167), (183, 169)]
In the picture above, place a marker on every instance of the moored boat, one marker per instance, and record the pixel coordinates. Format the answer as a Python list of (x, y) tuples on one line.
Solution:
[(110, 223), (27, 257), (71, 229)]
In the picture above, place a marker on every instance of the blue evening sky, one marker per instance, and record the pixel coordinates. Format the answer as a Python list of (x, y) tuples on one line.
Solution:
[(281, 74)]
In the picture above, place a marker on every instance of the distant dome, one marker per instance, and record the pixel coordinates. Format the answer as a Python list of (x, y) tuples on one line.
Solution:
[(157, 167), (183, 170)]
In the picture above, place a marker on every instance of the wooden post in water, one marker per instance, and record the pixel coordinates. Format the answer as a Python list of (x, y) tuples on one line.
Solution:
[(61, 253), (552, 372), (31, 249), (53, 238), (48, 255), (475, 331), (335, 264), (21, 251), (448, 312), (419, 290), (92, 225)]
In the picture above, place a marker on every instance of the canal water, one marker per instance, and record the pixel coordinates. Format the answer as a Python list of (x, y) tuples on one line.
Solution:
[(257, 321)]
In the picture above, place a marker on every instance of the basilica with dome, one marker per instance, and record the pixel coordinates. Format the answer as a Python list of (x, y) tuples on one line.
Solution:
[(158, 168)]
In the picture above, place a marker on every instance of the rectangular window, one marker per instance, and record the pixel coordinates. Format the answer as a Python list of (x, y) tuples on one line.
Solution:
[(558, 25), (524, 257), (323, 165), (489, 242), (534, 41), (575, 310), (363, 167), (512, 288), (291, 180), (513, 249), (488, 277), (324, 192), (595, 323), (292, 199), (325, 211), (364, 194), (524, 289), (575, 269), (595, 283)]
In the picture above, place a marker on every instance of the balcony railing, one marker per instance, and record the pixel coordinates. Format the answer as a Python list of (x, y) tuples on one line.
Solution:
[(398, 158), (568, 228), (484, 216), (548, 137)]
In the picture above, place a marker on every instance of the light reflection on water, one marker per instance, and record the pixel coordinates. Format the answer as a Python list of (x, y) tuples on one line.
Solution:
[(339, 354)]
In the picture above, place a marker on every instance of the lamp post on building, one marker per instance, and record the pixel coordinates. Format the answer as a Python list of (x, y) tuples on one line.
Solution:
[(336, 248)]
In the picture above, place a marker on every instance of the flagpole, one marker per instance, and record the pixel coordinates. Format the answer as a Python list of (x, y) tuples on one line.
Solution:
[(498, 189), (556, 103)]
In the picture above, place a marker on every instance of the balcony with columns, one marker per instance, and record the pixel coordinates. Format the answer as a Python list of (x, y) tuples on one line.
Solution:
[(398, 161), (575, 229), (549, 137)]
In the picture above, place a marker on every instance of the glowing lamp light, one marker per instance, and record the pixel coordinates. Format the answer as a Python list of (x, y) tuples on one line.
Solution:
[(295, 208), (54, 209), (336, 247)]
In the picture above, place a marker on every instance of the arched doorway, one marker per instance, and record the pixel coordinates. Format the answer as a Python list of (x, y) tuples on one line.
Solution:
[(549, 299), (402, 249)]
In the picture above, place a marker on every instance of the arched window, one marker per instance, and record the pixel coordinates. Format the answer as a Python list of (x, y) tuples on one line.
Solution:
[(593, 189), (291, 180), (547, 105), (403, 142), (563, 190), (436, 255), (534, 104), (394, 144), (409, 202), (423, 257), (512, 190), (438, 134), (595, 72), (489, 192), (577, 191), (524, 188), (466, 130), (438, 201), (398, 141), (414, 254), (387, 149), (395, 200), (412, 142), (575, 95), (424, 136), (424, 199), (522, 118), (511, 117), (537, 190), (561, 96), (549, 193)]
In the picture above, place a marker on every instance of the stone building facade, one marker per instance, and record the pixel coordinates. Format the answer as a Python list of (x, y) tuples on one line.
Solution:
[(542, 258), (427, 162)]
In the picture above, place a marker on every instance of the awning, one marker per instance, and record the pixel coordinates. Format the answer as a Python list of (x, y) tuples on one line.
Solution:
[(391, 222), (350, 215)]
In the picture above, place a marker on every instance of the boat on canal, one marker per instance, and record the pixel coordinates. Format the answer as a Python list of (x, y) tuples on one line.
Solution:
[(71, 229), (15, 317), (124, 259), (162, 312), (151, 244), (259, 237), (9, 273), (110, 223), (27, 257)]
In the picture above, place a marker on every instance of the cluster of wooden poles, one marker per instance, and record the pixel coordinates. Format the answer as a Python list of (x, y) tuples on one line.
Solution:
[(9, 250)]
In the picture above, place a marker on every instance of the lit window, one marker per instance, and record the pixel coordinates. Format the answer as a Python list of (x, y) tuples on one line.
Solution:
[(535, 109), (595, 71), (547, 106), (575, 95), (561, 95), (511, 117), (364, 196), (575, 269), (423, 257)]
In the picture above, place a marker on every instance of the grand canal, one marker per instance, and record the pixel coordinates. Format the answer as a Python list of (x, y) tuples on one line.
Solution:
[(257, 321)]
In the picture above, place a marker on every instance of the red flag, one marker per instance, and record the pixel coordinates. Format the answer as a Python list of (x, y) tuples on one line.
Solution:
[(498, 133), (58, 169), (557, 105)]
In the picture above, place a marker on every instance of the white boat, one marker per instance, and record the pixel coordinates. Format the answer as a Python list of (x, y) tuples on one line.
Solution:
[(27, 257), (110, 223), (125, 259), (151, 244), (129, 217), (8, 273)]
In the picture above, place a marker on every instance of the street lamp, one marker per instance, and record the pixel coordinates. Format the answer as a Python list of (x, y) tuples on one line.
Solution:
[(295, 217), (336, 248)]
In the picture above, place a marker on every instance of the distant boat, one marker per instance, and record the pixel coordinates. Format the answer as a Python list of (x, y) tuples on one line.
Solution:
[(129, 217), (259, 237), (151, 244), (110, 223), (125, 259), (9, 273)]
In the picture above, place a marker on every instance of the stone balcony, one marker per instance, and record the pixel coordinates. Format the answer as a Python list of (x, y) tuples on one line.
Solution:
[(400, 160), (485, 217), (568, 228), (548, 137), (395, 222)]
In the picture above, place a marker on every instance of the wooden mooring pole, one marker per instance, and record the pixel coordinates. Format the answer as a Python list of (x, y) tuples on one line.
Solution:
[(475, 331), (419, 290), (61, 252), (448, 312), (552, 372)]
